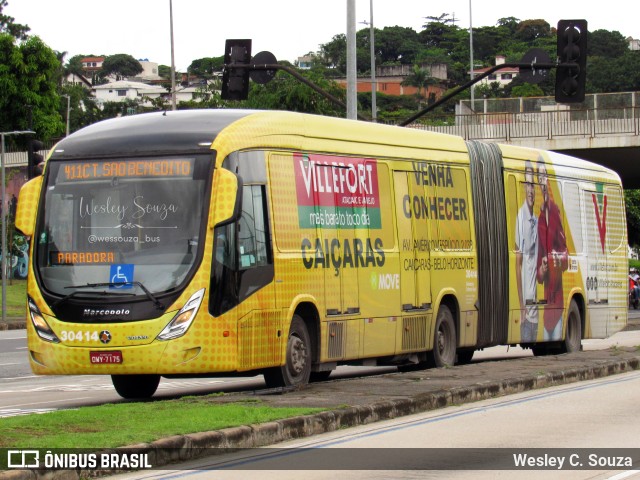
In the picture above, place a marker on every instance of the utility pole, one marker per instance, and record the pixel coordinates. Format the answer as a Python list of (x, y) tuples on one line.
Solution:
[(374, 108), (352, 99), (173, 63)]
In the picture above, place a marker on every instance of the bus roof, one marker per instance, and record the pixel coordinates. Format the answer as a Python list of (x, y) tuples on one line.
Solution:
[(149, 133), (190, 131)]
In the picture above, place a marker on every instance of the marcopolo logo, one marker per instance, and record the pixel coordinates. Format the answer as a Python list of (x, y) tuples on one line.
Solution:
[(337, 192)]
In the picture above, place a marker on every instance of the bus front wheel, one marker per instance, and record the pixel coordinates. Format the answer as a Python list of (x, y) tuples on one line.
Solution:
[(444, 340), (135, 386), (297, 367)]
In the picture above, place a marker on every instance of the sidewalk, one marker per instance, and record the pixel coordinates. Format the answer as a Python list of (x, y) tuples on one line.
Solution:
[(13, 323)]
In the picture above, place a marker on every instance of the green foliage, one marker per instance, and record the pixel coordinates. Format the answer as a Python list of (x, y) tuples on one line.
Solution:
[(632, 205), (28, 87), (121, 65), (8, 25), (204, 67), (527, 90), (285, 92)]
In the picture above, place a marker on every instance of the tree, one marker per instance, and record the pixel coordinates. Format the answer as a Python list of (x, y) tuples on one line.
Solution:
[(530, 30), (632, 203), (419, 78), (396, 44), (204, 67), (28, 78), (121, 65), (602, 43), (334, 53), (8, 25), (527, 90), (285, 92)]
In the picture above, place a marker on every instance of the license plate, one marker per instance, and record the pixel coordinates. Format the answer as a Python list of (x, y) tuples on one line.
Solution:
[(106, 357)]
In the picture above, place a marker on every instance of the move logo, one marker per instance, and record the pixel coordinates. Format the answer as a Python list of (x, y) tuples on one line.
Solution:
[(600, 208), (385, 281), (337, 192)]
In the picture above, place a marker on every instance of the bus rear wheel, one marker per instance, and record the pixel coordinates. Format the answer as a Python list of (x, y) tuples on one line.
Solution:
[(135, 386), (573, 338), (297, 367), (444, 340)]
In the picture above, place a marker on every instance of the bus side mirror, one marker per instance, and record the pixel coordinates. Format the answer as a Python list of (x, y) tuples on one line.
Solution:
[(28, 206), (227, 188)]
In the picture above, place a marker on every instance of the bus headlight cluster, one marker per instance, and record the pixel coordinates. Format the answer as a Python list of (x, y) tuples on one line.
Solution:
[(42, 327), (179, 325)]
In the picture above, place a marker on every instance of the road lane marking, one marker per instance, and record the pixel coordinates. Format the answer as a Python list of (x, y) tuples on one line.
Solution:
[(22, 405)]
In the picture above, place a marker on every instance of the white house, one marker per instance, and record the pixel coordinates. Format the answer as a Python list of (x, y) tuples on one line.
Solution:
[(124, 89), (149, 71), (503, 77)]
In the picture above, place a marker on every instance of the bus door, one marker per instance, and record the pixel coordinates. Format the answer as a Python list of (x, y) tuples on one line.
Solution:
[(412, 216), (343, 251)]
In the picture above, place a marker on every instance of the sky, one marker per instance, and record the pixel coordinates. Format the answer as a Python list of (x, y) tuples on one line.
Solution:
[(287, 28)]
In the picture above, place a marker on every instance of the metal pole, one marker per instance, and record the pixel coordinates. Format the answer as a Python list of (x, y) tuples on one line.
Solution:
[(4, 242), (173, 63), (352, 108), (373, 69), (471, 54), (68, 110)]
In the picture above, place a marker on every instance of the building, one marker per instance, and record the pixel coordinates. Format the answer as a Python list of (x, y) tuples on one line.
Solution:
[(92, 64), (634, 44), (503, 77), (149, 72), (123, 90), (305, 62), (389, 79)]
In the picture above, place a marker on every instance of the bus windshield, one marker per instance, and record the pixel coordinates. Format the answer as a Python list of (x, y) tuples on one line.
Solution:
[(130, 222)]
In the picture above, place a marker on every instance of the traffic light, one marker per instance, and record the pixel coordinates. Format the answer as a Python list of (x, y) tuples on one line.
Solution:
[(572, 49), (235, 81), (35, 160)]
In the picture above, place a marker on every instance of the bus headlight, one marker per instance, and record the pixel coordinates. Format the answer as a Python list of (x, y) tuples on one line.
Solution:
[(179, 325), (42, 327)]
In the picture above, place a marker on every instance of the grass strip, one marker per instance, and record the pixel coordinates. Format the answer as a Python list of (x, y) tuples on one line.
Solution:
[(120, 424), (16, 298)]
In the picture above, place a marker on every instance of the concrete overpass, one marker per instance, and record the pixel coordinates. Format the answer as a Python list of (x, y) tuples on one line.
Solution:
[(607, 135)]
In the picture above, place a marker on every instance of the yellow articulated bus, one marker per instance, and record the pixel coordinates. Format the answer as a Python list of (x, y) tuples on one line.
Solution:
[(235, 242)]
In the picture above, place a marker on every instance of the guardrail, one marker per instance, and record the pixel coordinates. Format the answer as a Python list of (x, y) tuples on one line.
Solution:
[(588, 123)]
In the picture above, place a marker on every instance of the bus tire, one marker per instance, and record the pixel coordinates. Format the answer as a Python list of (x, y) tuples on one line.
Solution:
[(135, 386), (573, 337), (444, 340), (297, 367)]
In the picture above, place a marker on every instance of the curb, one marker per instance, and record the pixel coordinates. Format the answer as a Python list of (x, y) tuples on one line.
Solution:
[(13, 325), (193, 446)]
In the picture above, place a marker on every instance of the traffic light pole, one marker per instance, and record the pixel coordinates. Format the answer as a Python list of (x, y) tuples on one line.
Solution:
[(294, 73), (533, 66)]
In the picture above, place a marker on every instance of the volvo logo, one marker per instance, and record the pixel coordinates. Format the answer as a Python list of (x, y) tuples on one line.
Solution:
[(105, 336)]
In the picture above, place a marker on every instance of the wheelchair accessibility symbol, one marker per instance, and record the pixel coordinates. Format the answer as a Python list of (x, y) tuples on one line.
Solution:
[(121, 274)]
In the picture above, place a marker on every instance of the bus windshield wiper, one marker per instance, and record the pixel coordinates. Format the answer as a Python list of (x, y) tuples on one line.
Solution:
[(75, 294), (155, 301)]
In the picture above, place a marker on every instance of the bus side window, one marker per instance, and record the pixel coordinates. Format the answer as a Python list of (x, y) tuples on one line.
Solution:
[(254, 242)]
